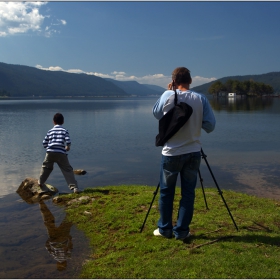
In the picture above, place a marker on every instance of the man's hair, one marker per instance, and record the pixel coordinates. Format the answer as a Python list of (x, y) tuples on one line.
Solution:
[(181, 75), (58, 118)]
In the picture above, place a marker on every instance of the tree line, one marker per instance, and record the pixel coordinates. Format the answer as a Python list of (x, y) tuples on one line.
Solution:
[(249, 87)]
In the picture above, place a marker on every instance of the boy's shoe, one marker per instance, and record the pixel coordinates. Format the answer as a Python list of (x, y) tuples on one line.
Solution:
[(76, 190), (43, 187), (185, 239)]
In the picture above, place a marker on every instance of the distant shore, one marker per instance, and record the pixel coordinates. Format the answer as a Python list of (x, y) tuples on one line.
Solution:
[(79, 97)]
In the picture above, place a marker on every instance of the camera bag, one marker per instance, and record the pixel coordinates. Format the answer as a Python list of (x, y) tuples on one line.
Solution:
[(172, 121)]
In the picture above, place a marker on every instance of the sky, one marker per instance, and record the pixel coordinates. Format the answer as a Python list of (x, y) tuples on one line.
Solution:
[(143, 41)]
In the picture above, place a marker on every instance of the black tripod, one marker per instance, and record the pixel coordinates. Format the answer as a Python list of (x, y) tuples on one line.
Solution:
[(201, 182)]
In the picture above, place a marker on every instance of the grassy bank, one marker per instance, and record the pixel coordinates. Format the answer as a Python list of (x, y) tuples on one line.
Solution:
[(112, 222)]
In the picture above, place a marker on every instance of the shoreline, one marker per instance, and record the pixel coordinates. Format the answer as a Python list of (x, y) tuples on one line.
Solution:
[(78, 97)]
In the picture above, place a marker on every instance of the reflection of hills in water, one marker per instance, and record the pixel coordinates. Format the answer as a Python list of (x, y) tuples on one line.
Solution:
[(241, 104)]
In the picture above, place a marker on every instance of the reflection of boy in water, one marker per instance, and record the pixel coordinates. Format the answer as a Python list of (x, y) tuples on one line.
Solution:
[(59, 243)]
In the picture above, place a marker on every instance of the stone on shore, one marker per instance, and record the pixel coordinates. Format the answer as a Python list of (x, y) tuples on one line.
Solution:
[(79, 172), (30, 191)]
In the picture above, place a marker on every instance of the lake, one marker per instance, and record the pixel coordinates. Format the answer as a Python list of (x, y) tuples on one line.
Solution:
[(113, 140)]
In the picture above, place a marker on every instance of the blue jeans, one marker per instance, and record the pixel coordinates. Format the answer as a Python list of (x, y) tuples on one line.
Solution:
[(187, 165)]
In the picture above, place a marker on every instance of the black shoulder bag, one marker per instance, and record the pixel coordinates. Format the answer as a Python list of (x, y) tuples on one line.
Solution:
[(172, 121)]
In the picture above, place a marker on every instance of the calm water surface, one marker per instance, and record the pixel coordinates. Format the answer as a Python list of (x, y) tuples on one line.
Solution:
[(113, 140)]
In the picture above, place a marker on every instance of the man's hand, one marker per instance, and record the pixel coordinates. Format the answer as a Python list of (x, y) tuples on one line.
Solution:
[(67, 148)]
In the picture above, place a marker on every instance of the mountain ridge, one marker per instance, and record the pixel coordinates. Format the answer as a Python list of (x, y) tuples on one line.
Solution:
[(271, 78), (134, 88), (26, 81)]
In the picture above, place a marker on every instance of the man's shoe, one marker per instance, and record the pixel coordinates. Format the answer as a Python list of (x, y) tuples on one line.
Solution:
[(185, 239), (157, 233)]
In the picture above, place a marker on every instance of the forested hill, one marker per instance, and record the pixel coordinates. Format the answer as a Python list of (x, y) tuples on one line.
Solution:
[(272, 79), (25, 81)]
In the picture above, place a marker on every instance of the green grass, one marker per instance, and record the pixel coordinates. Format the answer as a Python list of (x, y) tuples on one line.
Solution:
[(216, 250)]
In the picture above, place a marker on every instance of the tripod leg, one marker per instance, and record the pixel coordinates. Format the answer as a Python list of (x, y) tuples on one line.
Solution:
[(155, 193), (219, 190), (201, 182)]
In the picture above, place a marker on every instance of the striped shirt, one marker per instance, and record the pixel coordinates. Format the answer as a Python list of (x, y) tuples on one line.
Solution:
[(60, 251), (56, 140)]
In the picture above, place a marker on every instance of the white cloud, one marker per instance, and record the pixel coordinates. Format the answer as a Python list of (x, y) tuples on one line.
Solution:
[(100, 75), (197, 80), (23, 17), (118, 73), (156, 79)]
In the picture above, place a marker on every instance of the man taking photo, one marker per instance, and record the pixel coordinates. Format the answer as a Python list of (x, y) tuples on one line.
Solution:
[(181, 154)]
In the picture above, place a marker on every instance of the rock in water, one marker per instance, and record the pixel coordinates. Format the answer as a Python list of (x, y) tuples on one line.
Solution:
[(79, 172), (30, 191)]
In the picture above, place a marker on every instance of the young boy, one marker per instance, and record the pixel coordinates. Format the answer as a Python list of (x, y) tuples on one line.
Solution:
[(56, 143)]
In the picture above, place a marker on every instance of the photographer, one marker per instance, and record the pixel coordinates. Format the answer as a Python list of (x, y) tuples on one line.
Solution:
[(181, 154)]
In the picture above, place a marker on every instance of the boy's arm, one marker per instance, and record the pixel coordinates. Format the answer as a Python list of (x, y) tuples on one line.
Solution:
[(46, 141), (67, 141)]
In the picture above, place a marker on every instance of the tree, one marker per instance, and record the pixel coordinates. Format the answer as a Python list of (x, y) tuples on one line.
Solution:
[(245, 86), (228, 85), (216, 87), (236, 87), (248, 87)]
